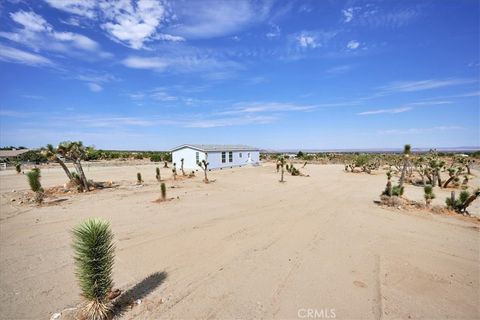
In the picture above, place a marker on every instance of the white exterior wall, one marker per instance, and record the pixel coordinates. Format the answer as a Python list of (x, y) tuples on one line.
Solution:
[(214, 158), (189, 156)]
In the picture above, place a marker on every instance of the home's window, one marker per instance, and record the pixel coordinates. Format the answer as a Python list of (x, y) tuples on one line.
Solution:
[(197, 157), (230, 156), (240, 155), (224, 157)]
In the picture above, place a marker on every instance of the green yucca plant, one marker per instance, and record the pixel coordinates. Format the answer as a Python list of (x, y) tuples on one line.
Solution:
[(139, 178), (428, 194), (163, 191), (397, 190), (18, 167), (157, 175), (94, 255), (34, 182)]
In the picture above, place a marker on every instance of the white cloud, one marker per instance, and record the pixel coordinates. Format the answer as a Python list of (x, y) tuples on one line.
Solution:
[(30, 21), (186, 60), (348, 14), (10, 54), (411, 86), (374, 16), (133, 23), (339, 69), (268, 107), (306, 41), (85, 8), (353, 44), (94, 87), (38, 34), (382, 111), (158, 64), (210, 19), (421, 130), (274, 31)]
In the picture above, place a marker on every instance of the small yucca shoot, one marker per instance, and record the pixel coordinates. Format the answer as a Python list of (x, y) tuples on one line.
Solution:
[(163, 190), (34, 182), (139, 178), (428, 194), (18, 167), (157, 176), (94, 255)]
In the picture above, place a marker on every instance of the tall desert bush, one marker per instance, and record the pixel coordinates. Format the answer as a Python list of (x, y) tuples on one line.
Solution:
[(163, 191), (94, 255), (35, 185), (428, 194)]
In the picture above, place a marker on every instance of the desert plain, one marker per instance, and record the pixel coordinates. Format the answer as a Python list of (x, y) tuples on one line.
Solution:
[(245, 246)]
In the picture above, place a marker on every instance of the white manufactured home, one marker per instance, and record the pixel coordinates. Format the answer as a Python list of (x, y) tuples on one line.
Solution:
[(218, 156)]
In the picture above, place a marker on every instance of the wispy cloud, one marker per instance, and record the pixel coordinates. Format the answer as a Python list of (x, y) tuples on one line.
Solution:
[(383, 111), (210, 19), (339, 69), (10, 54), (37, 34), (212, 67), (407, 107), (94, 87), (411, 86), (420, 130), (268, 107), (374, 16)]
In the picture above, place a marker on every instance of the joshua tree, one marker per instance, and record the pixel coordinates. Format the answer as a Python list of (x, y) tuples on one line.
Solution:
[(163, 191), (75, 151), (453, 174), (34, 182), (388, 187), (282, 165), (53, 155), (463, 202), (181, 167), (278, 165), (139, 178), (18, 167), (174, 171), (94, 255), (407, 149), (428, 194), (158, 176), (204, 165)]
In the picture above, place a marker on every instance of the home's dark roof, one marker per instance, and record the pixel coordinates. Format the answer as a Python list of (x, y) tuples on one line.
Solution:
[(12, 153), (217, 147)]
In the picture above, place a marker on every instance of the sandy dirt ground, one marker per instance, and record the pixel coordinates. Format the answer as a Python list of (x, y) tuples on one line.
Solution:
[(245, 246)]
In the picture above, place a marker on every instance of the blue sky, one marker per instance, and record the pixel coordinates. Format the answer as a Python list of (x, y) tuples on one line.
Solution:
[(273, 74)]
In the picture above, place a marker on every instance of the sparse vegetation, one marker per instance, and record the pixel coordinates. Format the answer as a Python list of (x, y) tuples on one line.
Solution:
[(407, 150), (157, 174), (18, 168), (139, 178), (163, 191), (428, 194), (174, 171), (94, 255), (281, 162), (35, 185), (461, 203), (204, 165), (181, 167)]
